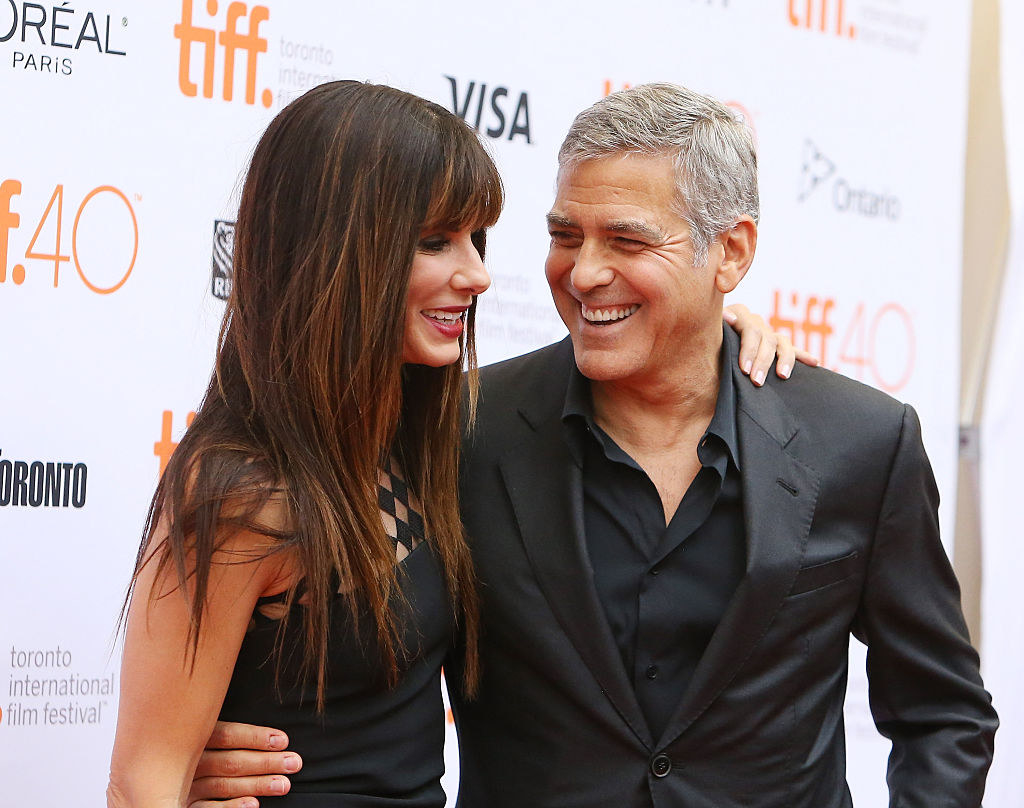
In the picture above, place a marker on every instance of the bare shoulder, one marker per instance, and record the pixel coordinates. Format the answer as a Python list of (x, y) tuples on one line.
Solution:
[(251, 535), (268, 542)]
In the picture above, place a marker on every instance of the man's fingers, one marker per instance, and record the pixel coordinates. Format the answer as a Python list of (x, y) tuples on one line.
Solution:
[(241, 802), (228, 735), (209, 792), (238, 765), (245, 763)]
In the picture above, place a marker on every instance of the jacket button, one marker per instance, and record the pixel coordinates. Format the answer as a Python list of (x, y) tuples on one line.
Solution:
[(661, 765)]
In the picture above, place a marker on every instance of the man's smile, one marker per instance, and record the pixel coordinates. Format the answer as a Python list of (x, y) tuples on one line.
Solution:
[(605, 315)]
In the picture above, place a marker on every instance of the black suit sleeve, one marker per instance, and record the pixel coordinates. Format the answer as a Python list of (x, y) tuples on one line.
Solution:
[(925, 689)]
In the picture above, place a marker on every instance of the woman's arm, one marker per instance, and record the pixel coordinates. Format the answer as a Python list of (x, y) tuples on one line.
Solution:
[(170, 700)]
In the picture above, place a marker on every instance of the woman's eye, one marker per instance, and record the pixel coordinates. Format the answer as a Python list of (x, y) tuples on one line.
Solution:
[(433, 244)]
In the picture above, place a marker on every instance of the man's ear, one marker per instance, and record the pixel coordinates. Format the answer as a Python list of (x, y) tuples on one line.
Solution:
[(738, 245)]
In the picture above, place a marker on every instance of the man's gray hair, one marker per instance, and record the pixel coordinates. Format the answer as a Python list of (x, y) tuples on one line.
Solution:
[(710, 145)]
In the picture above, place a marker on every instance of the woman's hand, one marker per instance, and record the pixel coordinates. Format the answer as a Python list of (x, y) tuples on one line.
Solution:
[(759, 346)]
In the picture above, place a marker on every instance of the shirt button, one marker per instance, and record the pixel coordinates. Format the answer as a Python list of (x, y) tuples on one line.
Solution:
[(652, 672), (655, 570), (661, 765)]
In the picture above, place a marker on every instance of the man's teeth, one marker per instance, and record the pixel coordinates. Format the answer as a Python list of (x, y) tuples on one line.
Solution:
[(607, 315), (444, 316)]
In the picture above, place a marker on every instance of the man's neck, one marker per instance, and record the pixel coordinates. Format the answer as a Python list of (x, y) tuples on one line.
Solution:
[(656, 413)]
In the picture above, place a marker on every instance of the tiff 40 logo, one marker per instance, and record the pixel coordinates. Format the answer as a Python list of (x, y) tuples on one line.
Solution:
[(872, 344), (104, 236), (231, 41)]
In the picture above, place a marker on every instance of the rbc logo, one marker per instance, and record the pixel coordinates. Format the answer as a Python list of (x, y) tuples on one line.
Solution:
[(223, 253), (476, 97), (231, 40)]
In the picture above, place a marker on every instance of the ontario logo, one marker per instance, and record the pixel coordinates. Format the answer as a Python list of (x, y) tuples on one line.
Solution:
[(818, 170), (205, 40), (42, 35), (223, 252), (815, 170)]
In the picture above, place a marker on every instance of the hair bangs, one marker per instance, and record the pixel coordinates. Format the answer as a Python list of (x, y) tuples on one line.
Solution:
[(466, 192)]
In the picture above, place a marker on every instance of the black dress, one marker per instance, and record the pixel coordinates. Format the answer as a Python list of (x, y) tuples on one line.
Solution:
[(373, 745)]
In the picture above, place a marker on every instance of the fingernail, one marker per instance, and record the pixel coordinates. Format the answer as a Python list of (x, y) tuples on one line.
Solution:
[(278, 785), (292, 763), (278, 741), (784, 371), (759, 377), (250, 803), (747, 366), (730, 317)]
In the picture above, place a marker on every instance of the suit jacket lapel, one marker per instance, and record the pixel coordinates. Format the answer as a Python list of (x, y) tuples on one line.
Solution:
[(779, 497), (545, 486)]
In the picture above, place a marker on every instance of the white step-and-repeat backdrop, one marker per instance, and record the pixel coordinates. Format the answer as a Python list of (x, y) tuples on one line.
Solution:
[(125, 132)]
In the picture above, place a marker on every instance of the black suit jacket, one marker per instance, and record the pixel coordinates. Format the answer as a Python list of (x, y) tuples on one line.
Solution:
[(842, 535)]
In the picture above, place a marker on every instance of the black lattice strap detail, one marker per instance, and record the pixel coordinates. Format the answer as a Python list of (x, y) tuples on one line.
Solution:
[(393, 499)]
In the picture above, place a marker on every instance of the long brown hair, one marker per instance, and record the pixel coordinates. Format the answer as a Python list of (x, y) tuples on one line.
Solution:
[(309, 393)]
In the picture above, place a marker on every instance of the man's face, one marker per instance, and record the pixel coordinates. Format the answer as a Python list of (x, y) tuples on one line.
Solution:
[(621, 271)]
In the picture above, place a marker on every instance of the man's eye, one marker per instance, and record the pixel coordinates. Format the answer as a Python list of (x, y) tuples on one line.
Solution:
[(563, 239), (629, 243)]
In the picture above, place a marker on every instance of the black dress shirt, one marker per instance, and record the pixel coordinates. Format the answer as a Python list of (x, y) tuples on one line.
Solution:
[(663, 588)]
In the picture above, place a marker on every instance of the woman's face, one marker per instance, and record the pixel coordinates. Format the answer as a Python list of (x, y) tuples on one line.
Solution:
[(447, 273)]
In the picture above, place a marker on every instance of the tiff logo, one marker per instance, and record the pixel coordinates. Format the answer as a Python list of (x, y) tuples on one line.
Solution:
[(231, 40), (164, 448), (828, 16)]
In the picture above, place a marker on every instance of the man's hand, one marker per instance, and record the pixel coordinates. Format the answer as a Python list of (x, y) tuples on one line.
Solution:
[(242, 762), (759, 345)]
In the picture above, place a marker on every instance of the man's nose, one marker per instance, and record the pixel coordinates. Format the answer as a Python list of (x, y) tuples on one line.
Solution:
[(590, 269)]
